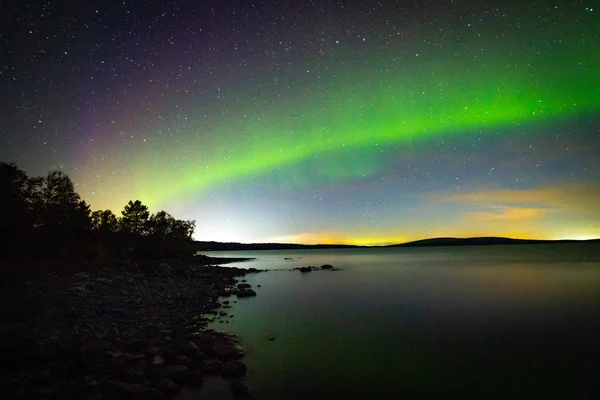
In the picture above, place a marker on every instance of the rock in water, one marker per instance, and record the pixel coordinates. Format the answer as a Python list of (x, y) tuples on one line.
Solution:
[(234, 369), (246, 293), (244, 286), (326, 266)]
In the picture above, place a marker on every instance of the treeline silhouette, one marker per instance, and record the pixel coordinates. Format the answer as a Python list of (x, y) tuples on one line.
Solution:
[(222, 246), (45, 217)]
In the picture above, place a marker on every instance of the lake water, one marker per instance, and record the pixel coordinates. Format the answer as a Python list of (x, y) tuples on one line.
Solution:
[(488, 321)]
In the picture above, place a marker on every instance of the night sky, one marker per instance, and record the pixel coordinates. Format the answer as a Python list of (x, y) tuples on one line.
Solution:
[(314, 121)]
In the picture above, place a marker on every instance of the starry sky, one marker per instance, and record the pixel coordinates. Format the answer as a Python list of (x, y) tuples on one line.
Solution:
[(314, 121)]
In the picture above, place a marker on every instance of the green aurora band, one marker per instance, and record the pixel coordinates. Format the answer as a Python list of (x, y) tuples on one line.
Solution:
[(369, 109)]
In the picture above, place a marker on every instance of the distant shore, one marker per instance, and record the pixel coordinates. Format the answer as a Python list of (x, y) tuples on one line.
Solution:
[(433, 242), (116, 329)]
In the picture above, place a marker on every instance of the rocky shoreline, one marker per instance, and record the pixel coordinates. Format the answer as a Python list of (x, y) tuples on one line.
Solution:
[(119, 329)]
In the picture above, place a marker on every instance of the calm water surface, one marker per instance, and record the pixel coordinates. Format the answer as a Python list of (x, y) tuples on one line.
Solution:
[(486, 321)]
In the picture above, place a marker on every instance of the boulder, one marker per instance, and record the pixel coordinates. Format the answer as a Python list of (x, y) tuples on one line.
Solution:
[(234, 369), (326, 266), (244, 286)]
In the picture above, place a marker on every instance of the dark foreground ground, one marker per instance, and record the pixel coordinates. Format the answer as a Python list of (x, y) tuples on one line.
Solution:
[(116, 330)]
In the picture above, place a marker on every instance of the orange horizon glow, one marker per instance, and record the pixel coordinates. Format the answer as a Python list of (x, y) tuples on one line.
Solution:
[(314, 239)]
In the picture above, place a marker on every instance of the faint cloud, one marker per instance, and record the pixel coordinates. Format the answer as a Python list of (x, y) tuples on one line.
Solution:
[(508, 214), (523, 204)]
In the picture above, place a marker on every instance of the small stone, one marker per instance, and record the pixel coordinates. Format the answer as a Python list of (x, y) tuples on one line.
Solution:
[(158, 360), (152, 351)]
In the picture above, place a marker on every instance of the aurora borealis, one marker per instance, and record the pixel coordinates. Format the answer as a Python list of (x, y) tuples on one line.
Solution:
[(349, 122)]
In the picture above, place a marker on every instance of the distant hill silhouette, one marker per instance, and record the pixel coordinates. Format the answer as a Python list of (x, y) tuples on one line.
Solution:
[(480, 241), (444, 241)]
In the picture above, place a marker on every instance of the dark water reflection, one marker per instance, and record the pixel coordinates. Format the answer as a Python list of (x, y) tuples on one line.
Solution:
[(486, 321)]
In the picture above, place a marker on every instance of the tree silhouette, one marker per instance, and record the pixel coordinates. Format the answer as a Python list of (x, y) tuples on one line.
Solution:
[(104, 221), (62, 210), (160, 224), (183, 230), (163, 225), (135, 218), (16, 210)]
